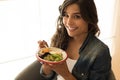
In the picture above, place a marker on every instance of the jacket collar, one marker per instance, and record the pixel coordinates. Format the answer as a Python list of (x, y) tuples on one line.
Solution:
[(89, 36)]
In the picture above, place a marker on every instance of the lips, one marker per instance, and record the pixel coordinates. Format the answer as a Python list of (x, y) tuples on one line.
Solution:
[(72, 28)]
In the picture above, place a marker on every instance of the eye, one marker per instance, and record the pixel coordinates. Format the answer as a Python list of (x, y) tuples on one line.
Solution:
[(65, 15), (77, 16)]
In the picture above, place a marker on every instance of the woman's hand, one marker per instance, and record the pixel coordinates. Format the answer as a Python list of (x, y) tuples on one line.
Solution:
[(45, 67), (42, 44), (62, 69)]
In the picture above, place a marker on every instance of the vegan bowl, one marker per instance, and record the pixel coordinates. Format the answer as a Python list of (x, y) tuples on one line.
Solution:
[(51, 55)]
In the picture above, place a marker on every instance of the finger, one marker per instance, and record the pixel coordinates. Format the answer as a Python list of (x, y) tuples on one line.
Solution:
[(40, 41), (52, 66), (41, 44), (45, 43)]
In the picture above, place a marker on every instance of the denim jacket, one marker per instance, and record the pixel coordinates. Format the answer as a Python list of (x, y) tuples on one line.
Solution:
[(94, 62)]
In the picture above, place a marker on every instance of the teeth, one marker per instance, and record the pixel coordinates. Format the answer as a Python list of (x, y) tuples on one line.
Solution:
[(71, 28)]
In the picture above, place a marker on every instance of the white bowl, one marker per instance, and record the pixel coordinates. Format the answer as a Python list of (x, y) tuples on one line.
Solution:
[(52, 49)]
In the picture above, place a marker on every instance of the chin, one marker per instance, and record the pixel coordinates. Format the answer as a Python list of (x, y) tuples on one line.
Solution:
[(71, 35)]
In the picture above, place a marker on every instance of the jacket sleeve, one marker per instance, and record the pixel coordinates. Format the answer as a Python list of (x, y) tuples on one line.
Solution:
[(101, 66), (51, 76)]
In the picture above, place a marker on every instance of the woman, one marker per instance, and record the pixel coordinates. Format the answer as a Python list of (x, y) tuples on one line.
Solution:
[(88, 57), (76, 30)]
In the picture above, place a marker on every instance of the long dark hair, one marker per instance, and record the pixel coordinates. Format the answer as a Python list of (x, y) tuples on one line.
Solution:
[(88, 12)]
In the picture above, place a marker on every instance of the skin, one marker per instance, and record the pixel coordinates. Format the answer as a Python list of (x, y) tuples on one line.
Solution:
[(77, 28)]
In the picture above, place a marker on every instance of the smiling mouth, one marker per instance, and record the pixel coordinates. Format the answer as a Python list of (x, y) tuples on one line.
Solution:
[(71, 28)]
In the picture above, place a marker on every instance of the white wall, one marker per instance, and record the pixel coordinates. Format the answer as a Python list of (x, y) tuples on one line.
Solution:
[(19, 28), (116, 46), (105, 10)]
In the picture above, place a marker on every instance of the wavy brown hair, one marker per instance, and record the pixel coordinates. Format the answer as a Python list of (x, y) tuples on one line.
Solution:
[(88, 12)]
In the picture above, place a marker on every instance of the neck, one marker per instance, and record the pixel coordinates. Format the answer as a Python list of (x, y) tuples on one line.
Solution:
[(79, 39)]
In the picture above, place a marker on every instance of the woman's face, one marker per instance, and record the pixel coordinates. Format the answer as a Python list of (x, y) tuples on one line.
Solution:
[(73, 21)]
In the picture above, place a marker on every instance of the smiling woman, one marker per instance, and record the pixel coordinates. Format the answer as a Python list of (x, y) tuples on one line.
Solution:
[(22, 26), (70, 26)]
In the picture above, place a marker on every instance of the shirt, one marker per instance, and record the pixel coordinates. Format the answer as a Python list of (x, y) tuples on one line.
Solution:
[(70, 64)]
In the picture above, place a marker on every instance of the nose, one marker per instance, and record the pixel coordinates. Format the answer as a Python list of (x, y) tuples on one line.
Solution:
[(69, 21)]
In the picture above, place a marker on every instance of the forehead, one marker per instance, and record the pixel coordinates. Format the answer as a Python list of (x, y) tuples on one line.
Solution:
[(72, 8)]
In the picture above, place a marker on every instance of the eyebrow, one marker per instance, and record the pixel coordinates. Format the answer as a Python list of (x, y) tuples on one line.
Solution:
[(74, 12), (77, 13)]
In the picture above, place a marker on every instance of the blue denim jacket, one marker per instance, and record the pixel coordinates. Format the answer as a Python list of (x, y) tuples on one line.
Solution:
[(94, 62)]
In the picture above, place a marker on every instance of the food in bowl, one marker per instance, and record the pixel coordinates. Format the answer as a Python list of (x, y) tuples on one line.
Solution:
[(51, 55)]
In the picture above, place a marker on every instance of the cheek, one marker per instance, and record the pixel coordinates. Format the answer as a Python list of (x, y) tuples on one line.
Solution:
[(84, 27), (64, 21)]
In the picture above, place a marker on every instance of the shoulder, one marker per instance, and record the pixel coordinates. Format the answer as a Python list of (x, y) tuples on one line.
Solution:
[(94, 47), (100, 50), (100, 45), (97, 43), (92, 42)]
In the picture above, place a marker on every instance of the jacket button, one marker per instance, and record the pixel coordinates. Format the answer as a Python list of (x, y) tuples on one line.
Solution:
[(82, 74)]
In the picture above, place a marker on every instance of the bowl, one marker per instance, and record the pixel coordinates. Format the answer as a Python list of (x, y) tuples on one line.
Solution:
[(51, 55)]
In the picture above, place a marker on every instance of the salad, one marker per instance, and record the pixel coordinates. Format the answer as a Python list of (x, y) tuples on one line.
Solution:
[(50, 54)]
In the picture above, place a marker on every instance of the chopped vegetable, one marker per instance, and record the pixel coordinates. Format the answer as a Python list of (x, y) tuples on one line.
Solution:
[(44, 50), (53, 57), (50, 54)]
